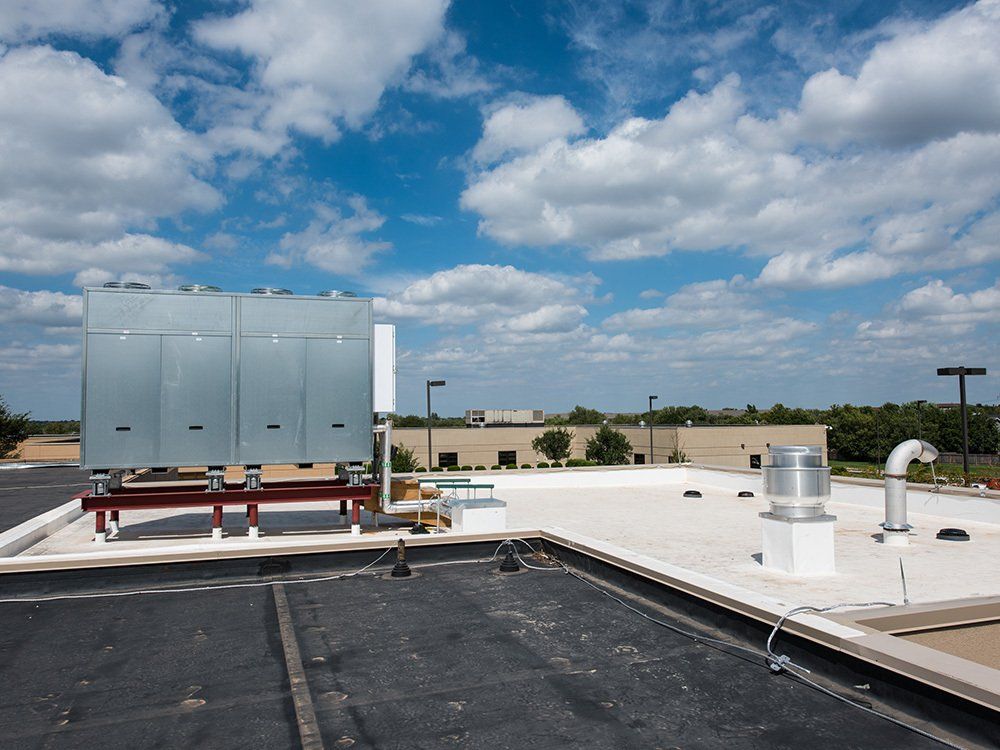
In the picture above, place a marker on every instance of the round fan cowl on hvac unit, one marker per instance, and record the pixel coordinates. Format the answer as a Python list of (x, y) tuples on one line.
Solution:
[(271, 290), (125, 285), (198, 288), (336, 293)]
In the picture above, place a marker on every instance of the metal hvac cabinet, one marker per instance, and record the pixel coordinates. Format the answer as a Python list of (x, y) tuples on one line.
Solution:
[(214, 379), (157, 370)]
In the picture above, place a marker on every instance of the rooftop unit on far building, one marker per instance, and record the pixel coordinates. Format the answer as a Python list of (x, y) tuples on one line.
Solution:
[(504, 418)]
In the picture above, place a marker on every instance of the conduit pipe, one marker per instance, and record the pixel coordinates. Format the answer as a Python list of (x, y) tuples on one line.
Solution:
[(895, 528), (385, 493)]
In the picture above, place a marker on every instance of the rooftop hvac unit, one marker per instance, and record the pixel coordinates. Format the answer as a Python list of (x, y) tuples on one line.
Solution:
[(194, 378)]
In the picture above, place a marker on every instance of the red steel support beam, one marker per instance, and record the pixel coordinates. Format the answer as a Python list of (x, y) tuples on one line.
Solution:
[(196, 497), (217, 517)]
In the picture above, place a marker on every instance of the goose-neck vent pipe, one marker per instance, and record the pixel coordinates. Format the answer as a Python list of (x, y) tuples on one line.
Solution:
[(895, 528)]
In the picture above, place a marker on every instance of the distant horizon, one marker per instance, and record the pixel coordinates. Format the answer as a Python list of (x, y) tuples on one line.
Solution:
[(616, 413)]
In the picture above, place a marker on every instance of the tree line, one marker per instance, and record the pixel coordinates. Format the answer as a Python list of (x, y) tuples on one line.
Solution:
[(857, 433)]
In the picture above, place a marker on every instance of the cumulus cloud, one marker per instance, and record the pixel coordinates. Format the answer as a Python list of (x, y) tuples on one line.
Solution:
[(933, 310), (706, 304), (320, 66), (500, 298), (73, 189), (524, 126), (932, 80), (332, 241), (710, 175), (24, 20), (44, 308)]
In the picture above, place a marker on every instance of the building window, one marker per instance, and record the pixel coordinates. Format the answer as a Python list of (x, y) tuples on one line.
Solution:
[(447, 459), (755, 461), (506, 457), (639, 458)]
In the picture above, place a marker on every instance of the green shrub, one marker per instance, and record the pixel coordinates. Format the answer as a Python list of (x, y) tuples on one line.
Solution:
[(556, 464), (494, 467), (404, 459), (456, 467), (420, 469), (580, 462), (511, 466), (608, 447), (13, 429), (542, 465), (436, 468), (466, 468), (525, 466), (555, 443), (480, 467)]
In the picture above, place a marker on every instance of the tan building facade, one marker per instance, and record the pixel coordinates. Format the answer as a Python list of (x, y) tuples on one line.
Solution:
[(719, 445)]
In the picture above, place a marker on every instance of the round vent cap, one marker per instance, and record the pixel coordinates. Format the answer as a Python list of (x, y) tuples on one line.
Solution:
[(125, 285), (271, 290)]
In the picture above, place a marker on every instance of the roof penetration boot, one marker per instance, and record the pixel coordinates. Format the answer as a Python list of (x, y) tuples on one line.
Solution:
[(509, 564), (400, 569)]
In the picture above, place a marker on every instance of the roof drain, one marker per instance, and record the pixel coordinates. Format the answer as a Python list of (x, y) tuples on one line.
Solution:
[(895, 529)]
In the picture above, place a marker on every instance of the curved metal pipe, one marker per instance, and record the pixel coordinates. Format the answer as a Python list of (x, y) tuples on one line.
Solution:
[(385, 491), (895, 525)]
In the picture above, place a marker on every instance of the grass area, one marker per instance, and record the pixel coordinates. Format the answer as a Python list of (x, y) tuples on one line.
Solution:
[(917, 472)]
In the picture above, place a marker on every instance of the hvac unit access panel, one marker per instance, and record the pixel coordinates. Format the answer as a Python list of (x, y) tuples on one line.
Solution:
[(214, 379)]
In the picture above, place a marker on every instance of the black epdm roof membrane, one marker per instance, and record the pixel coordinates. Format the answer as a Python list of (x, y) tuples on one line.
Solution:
[(24, 493), (454, 656)]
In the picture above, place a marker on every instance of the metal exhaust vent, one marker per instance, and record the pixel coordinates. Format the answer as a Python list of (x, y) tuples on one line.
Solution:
[(336, 293), (125, 285), (198, 288), (796, 483), (271, 290)]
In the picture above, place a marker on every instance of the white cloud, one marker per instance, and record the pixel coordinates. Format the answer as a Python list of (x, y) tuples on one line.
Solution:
[(523, 126), (935, 310), (333, 241), (42, 308), (39, 361), (650, 294), (422, 220), (450, 73), (709, 175), (24, 20), (321, 66), (74, 188), (499, 298), (706, 304), (930, 81)]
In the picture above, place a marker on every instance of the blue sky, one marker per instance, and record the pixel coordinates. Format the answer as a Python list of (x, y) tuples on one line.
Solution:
[(556, 202)]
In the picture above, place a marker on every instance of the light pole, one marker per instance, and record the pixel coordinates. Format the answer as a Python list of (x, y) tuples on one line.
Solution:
[(962, 372), (430, 454), (651, 400), (920, 417)]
